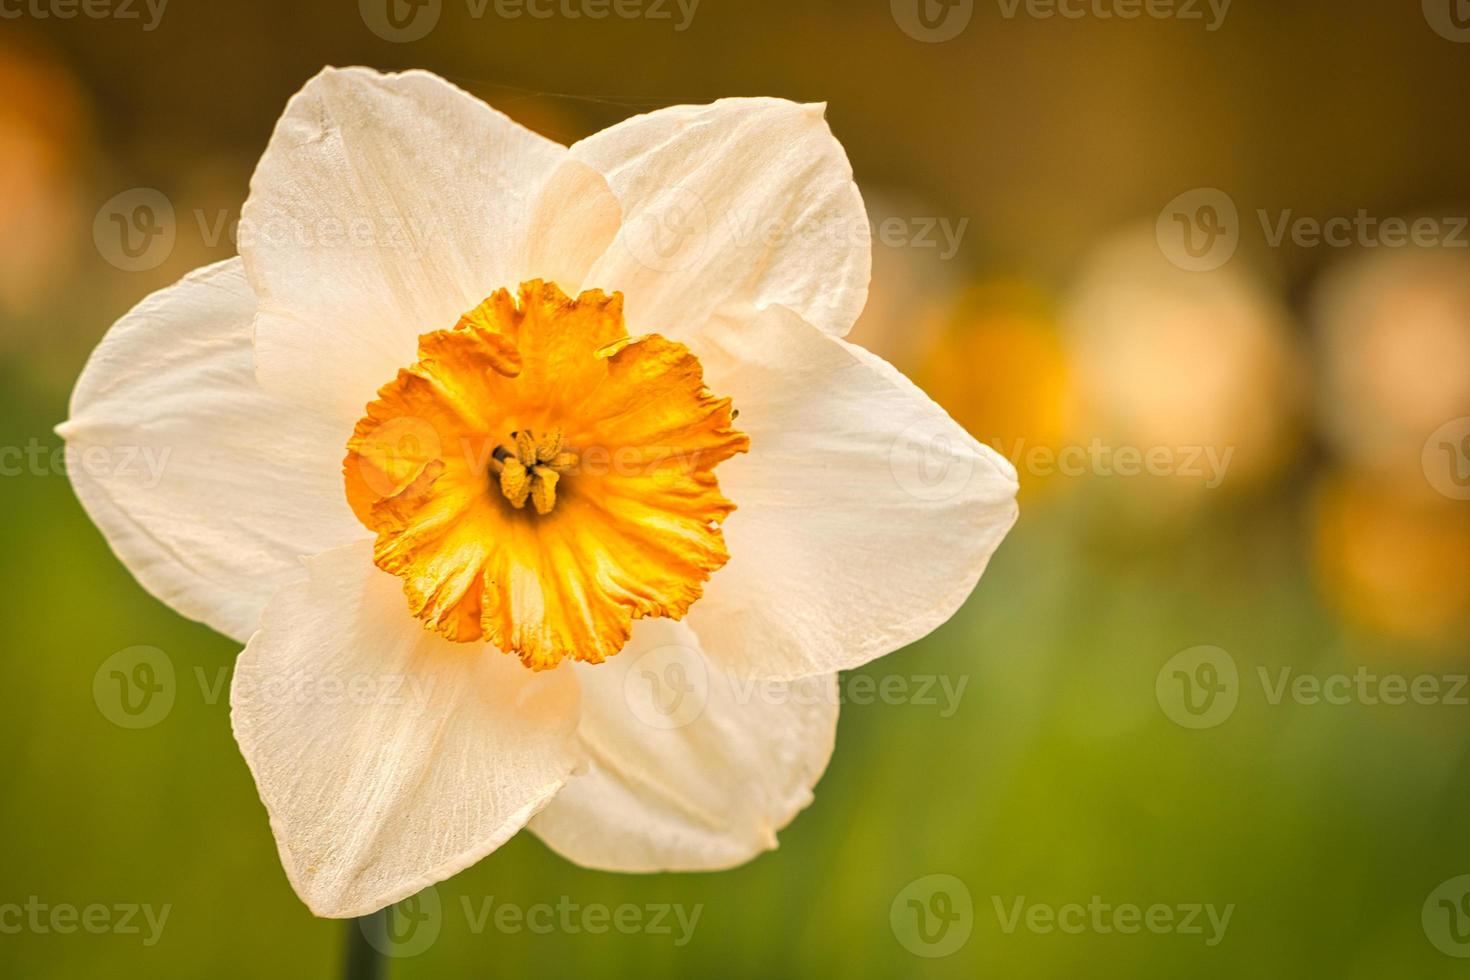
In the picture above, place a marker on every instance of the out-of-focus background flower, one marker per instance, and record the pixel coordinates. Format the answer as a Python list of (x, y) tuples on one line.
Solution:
[(1201, 272)]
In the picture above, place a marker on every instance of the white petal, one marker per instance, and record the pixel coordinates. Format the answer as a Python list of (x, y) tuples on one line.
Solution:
[(691, 769), (384, 207), (742, 203), (207, 488), (573, 223), (865, 515), (388, 757)]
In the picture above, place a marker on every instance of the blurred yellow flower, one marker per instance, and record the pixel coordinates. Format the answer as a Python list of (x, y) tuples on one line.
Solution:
[(1393, 337), (41, 131), (1000, 369), (1391, 557), (1197, 368)]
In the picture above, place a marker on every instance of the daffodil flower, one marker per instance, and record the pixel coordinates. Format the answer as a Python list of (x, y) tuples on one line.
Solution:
[(499, 454)]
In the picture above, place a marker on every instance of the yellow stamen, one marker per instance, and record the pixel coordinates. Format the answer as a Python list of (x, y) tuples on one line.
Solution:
[(515, 482), (543, 490)]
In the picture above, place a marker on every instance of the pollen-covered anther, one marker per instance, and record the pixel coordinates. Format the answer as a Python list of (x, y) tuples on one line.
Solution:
[(532, 470)]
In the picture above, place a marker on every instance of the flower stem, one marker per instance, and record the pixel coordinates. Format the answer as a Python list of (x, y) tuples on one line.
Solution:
[(367, 936)]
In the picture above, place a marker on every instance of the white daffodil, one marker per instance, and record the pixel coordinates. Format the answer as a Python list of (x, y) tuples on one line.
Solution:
[(525, 598)]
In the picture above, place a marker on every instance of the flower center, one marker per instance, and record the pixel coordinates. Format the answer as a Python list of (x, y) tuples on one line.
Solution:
[(612, 440), (532, 469)]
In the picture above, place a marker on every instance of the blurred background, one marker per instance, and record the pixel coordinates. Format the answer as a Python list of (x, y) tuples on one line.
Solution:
[(1202, 273)]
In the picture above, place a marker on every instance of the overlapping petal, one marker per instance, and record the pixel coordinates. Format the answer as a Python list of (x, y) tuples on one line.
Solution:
[(387, 757), (739, 204), (383, 208), (208, 488), (866, 515), (692, 768)]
